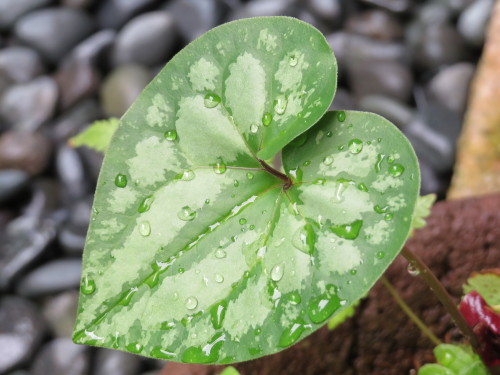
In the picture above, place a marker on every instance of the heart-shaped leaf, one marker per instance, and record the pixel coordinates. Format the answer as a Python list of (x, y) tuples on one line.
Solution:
[(198, 251)]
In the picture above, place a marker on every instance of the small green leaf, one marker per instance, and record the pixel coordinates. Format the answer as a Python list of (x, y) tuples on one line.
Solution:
[(230, 370), (433, 369), (342, 316), (422, 211), (487, 284), (197, 250), (97, 136)]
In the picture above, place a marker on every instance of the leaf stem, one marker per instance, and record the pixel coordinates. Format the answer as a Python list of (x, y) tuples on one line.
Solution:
[(407, 310), (288, 182), (440, 292)]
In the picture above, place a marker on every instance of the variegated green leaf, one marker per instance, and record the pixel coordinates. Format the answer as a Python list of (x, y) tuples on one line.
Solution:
[(198, 251)]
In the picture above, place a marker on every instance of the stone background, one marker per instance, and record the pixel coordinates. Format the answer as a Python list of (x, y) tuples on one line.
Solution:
[(66, 63)]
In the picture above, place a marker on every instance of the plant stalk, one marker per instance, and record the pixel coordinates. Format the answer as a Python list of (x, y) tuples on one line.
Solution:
[(440, 292), (288, 182), (407, 310)]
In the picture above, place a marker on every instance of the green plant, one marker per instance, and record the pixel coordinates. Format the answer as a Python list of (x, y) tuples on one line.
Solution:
[(203, 246)]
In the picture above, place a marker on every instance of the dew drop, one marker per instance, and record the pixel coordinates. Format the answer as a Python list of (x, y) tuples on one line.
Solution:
[(220, 253), (186, 214), (187, 175), (328, 160), (170, 135), (254, 128), (329, 134), (396, 170), (412, 269), (267, 118), (280, 105), (307, 163), (362, 187), (191, 303), (243, 221), (181, 270), (355, 146), (220, 168), (236, 183), (277, 272), (88, 286), (207, 201), (134, 348), (257, 331), (212, 100), (292, 334), (390, 159), (348, 231), (341, 116), (217, 314), (121, 180), (146, 204), (293, 60), (250, 175), (381, 210), (294, 298), (159, 352), (251, 227), (319, 181), (219, 278), (380, 255), (378, 164), (145, 228), (389, 216), (304, 239), (322, 307)]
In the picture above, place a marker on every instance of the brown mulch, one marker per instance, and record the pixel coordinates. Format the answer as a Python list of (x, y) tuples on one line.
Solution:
[(462, 236)]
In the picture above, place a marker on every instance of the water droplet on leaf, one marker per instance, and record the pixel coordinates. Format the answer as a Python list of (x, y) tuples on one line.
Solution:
[(277, 272), (396, 170), (322, 307), (412, 269), (292, 334), (355, 146), (243, 221), (121, 180), (191, 303), (348, 231), (328, 160), (145, 204), (254, 128), (267, 118), (212, 100), (280, 105), (220, 253), (341, 116), (304, 239), (219, 278), (170, 135), (220, 168), (293, 61), (88, 286), (249, 175), (145, 228), (186, 214)]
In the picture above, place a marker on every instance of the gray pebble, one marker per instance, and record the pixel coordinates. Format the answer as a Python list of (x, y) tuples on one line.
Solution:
[(342, 101), (43, 30), (53, 277), (387, 78), (396, 6), (29, 152), (330, 10), (11, 10), (11, 182), (73, 233), (20, 64), (116, 363), (376, 24), (60, 312), (27, 106), (148, 39), (61, 357), (195, 17), (260, 8), (71, 122), (436, 45), (121, 87), (78, 4), (76, 81), (432, 13), (473, 21), (392, 109), (95, 50), (113, 14), (21, 331), (430, 181), (450, 87), (71, 173)]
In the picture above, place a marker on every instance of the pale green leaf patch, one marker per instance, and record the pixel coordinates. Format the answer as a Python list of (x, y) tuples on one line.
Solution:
[(197, 250), (97, 135), (487, 284), (422, 211)]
